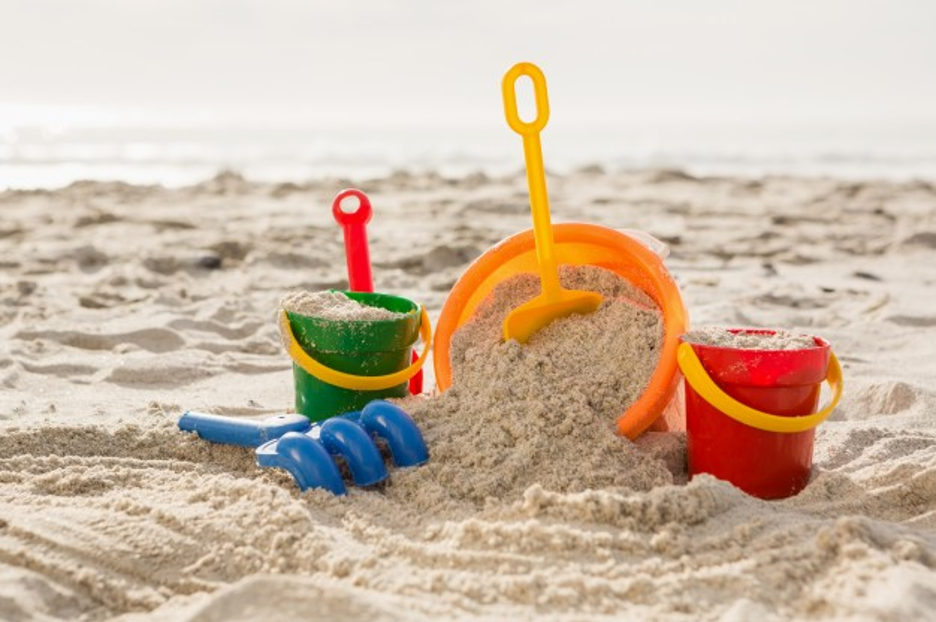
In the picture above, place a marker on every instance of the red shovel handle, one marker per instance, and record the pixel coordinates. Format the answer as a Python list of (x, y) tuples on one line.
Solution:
[(357, 253), (416, 382)]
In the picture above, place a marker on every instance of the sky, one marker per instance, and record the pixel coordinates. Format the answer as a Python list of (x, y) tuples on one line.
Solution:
[(311, 63)]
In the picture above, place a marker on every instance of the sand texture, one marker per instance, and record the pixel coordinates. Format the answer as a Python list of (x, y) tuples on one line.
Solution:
[(518, 416), (334, 305), (122, 306), (720, 337)]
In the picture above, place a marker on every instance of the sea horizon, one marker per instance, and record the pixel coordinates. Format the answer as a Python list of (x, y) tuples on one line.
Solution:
[(46, 157)]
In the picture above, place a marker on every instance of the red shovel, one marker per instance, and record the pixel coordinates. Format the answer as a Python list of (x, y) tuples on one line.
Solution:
[(352, 210)]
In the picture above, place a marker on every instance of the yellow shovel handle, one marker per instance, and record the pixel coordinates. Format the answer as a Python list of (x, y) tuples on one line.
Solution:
[(702, 384), (351, 381), (536, 173)]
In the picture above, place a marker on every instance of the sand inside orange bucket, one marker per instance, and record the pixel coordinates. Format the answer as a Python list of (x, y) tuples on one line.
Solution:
[(576, 244)]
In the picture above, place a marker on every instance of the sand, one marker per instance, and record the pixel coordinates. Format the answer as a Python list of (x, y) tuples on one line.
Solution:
[(520, 415), (121, 306), (331, 305), (720, 337)]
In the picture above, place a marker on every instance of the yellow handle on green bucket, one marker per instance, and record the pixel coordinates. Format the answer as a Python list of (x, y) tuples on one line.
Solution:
[(351, 381), (702, 384)]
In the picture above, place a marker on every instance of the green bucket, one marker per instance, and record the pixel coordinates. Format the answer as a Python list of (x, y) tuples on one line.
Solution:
[(358, 347)]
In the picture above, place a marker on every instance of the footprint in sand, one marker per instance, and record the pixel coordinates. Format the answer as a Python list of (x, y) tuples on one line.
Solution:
[(436, 259), (151, 339), (867, 400), (925, 239), (920, 321), (241, 331)]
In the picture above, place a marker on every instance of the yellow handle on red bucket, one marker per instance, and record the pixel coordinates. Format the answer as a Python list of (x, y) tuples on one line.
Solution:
[(351, 381), (703, 384)]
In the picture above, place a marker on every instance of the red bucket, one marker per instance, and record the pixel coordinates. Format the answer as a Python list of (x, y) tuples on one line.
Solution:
[(751, 413)]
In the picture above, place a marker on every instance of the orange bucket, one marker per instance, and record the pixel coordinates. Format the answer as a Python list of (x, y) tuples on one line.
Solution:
[(576, 244)]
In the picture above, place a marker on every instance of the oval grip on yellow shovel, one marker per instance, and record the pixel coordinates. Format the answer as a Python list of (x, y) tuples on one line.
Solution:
[(702, 384), (351, 381), (511, 111)]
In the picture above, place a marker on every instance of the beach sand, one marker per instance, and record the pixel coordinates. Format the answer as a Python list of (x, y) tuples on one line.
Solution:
[(122, 306)]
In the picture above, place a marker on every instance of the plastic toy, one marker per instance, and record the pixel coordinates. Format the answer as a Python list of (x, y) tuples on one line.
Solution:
[(577, 244), (554, 301), (308, 450), (751, 413), (357, 253), (341, 365)]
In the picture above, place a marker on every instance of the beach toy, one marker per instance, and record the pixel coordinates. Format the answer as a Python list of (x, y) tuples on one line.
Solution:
[(380, 418), (554, 301), (341, 365), (306, 459), (352, 210), (308, 450), (240, 431), (751, 413), (577, 244)]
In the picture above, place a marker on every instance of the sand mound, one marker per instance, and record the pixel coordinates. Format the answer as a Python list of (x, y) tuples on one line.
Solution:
[(541, 413)]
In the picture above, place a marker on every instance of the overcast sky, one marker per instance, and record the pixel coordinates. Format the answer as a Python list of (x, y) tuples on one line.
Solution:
[(428, 62)]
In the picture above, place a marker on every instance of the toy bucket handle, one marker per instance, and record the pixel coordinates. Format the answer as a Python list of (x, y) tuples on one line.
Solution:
[(539, 94), (351, 381), (703, 384)]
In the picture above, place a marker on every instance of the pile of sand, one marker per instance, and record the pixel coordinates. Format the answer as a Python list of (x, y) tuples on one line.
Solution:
[(331, 305), (749, 340), (541, 413)]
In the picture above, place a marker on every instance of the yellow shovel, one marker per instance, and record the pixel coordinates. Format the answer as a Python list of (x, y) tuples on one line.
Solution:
[(554, 301)]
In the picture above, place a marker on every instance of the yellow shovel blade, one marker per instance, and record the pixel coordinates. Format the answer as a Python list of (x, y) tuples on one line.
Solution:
[(531, 316)]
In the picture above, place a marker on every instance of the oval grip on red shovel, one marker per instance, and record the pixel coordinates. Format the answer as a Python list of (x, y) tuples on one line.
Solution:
[(357, 253)]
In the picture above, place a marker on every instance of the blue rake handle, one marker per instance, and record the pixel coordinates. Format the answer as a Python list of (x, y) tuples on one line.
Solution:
[(243, 432)]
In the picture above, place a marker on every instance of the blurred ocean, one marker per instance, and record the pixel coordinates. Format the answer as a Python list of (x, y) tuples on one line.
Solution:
[(43, 157)]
